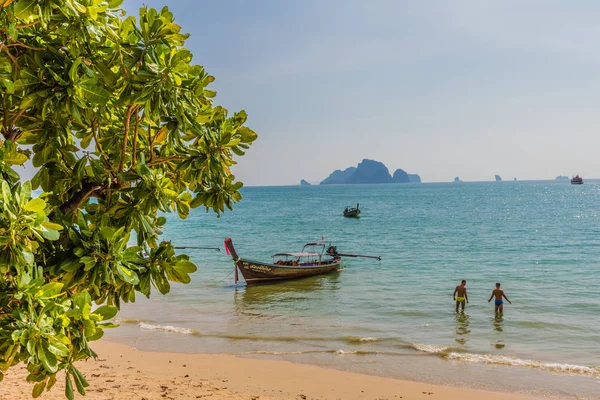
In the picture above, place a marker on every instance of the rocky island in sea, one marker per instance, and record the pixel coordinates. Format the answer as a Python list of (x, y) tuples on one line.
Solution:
[(457, 180), (561, 178), (497, 178), (369, 171), (304, 183)]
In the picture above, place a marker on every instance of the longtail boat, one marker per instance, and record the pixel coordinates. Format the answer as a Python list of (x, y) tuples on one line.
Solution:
[(351, 212), (577, 180), (312, 260)]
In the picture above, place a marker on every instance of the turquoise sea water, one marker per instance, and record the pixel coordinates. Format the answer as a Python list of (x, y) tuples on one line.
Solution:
[(396, 317)]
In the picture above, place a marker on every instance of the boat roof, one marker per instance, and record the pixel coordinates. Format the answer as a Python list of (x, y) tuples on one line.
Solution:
[(297, 254)]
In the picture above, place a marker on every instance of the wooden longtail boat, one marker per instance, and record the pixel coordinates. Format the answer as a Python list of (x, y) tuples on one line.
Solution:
[(577, 180), (312, 260), (351, 212)]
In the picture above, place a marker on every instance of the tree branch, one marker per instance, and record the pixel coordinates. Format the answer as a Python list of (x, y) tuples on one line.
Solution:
[(28, 25), (19, 44), (125, 137), (88, 188), (150, 142), (164, 160), (135, 137), (13, 59)]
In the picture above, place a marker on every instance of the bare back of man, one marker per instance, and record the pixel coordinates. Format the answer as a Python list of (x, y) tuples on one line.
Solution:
[(460, 295), (498, 294)]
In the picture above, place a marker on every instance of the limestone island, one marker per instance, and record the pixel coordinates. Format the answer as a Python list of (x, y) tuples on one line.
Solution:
[(497, 178), (304, 183), (369, 171), (457, 180), (561, 178)]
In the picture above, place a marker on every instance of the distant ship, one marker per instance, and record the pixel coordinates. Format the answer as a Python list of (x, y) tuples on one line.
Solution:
[(577, 180)]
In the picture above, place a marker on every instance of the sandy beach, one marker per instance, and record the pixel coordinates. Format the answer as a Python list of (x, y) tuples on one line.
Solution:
[(121, 372)]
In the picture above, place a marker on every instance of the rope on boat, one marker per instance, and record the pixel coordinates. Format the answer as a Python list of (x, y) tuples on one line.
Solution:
[(228, 275)]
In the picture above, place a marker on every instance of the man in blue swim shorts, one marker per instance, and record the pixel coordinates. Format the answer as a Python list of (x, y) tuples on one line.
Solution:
[(498, 294)]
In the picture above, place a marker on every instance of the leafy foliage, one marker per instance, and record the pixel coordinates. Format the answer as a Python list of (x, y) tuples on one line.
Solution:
[(121, 128)]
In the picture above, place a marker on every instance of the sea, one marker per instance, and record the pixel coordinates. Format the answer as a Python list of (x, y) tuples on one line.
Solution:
[(396, 317)]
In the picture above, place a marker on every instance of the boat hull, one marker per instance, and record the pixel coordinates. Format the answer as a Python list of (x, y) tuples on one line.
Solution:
[(352, 214), (257, 272), (576, 183)]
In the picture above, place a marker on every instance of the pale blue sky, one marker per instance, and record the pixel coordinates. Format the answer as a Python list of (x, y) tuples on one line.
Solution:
[(440, 88)]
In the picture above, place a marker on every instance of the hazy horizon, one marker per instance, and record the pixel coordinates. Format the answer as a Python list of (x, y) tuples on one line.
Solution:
[(437, 88)]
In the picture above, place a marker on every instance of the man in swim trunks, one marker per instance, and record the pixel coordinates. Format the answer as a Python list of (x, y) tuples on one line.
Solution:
[(498, 294), (461, 291)]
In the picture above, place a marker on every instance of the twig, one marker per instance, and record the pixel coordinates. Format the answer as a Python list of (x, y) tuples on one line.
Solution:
[(125, 137), (19, 44), (28, 25), (164, 160), (135, 136)]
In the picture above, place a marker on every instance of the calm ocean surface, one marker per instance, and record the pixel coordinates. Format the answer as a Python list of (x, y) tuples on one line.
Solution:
[(396, 317)]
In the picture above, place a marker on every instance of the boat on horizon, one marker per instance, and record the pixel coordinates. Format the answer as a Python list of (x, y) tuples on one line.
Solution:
[(577, 180), (352, 212), (314, 259)]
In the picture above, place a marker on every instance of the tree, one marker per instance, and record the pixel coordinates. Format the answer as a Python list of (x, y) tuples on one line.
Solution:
[(121, 128)]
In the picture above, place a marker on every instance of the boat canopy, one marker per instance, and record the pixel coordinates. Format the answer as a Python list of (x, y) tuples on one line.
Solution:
[(296, 254)]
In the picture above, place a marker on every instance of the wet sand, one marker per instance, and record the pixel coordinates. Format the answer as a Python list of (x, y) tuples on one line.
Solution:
[(122, 372)]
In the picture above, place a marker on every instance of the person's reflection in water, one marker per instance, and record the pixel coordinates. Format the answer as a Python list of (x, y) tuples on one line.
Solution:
[(499, 327), (462, 327), (498, 323)]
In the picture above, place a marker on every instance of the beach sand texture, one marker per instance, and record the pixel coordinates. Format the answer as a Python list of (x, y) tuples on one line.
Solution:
[(122, 372)]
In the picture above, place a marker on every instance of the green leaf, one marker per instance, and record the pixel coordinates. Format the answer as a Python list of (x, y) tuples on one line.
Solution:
[(24, 9), (69, 388), (35, 205), (107, 232), (47, 358), (106, 312), (127, 275), (38, 389), (179, 272), (51, 382), (80, 381), (52, 226), (49, 234), (15, 158), (90, 90)]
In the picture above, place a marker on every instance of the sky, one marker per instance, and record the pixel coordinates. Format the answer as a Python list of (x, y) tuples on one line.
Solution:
[(441, 88)]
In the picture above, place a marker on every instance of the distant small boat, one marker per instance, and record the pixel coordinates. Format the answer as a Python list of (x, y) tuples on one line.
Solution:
[(312, 260), (577, 180), (351, 212)]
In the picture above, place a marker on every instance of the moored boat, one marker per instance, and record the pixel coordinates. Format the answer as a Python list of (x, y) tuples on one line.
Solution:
[(312, 260), (351, 212), (577, 180)]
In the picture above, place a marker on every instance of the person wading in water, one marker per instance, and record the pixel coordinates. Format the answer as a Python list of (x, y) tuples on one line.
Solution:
[(498, 294), (460, 295)]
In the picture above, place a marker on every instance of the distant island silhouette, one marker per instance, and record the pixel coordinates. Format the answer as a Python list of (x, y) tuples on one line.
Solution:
[(561, 178), (304, 183), (498, 178), (369, 171)]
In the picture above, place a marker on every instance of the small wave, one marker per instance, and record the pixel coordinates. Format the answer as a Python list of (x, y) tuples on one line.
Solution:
[(517, 362), (167, 328), (130, 321), (337, 352), (279, 353), (340, 351), (428, 348), (358, 339)]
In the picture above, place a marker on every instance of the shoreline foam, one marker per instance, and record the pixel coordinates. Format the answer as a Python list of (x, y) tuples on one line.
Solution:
[(445, 352)]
